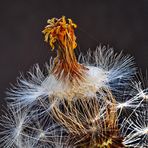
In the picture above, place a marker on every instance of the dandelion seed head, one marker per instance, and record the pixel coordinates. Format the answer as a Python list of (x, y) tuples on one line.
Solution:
[(77, 103)]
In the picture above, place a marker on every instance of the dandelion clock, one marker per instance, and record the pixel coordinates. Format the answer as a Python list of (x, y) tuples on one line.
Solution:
[(96, 100)]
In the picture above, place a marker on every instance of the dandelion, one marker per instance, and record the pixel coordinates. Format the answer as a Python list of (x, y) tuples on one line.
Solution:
[(138, 136), (12, 125), (78, 103)]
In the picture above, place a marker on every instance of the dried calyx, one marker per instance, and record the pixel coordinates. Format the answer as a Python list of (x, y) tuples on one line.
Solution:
[(60, 34)]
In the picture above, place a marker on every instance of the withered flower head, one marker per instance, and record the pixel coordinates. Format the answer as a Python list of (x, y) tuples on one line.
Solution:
[(60, 34)]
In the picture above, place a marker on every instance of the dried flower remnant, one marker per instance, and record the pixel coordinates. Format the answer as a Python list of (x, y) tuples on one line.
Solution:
[(78, 103), (61, 33)]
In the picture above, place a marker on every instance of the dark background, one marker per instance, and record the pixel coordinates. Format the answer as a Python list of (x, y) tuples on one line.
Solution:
[(122, 24)]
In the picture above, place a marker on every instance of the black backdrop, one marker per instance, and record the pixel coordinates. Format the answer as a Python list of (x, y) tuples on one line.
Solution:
[(122, 24)]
